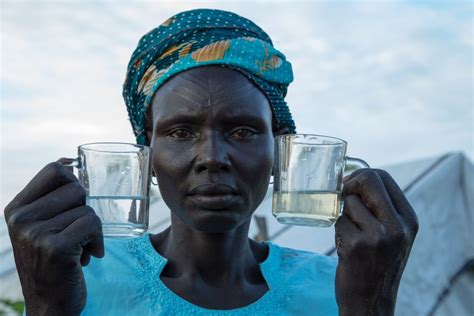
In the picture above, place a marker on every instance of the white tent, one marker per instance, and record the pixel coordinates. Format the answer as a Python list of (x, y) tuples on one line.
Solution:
[(438, 279)]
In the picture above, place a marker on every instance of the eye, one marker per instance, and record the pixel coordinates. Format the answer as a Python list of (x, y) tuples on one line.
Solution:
[(181, 134), (242, 133)]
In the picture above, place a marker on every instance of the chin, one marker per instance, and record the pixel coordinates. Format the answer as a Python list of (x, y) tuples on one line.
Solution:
[(216, 221)]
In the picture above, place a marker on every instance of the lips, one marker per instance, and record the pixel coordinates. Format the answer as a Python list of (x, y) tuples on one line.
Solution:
[(214, 196)]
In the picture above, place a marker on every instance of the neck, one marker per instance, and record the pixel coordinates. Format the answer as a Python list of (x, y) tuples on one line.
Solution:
[(216, 258)]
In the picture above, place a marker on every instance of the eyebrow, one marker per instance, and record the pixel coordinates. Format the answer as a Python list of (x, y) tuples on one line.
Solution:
[(186, 118), (180, 118), (245, 118)]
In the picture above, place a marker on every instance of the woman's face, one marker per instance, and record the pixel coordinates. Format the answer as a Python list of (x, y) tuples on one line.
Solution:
[(212, 144)]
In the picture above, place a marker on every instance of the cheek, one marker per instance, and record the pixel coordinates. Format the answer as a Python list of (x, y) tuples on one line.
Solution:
[(262, 162), (169, 160), (257, 168), (170, 170)]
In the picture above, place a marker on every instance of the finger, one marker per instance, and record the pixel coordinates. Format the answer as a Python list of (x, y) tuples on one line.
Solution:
[(63, 220), (354, 174), (356, 210), (64, 198), (86, 254), (346, 230), (49, 178), (399, 200), (66, 161), (369, 186), (86, 231), (85, 259)]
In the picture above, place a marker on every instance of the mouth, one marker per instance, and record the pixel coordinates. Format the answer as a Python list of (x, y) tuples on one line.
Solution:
[(214, 196)]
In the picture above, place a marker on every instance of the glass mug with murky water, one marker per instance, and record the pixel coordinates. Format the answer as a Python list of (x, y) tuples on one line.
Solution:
[(116, 178), (308, 178)]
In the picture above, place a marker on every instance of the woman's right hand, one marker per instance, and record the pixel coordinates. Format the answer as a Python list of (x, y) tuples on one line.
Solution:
[(53, 234)]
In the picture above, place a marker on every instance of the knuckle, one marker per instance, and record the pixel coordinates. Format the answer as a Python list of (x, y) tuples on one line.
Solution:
[(89, 210), (84, 212), (414, 223), (350, 201), (374, 241), (359, 245), (14, 221), (350, 205), (383, 241), (54, 168), (382, 173), (94, 221), (399, 236), (370, 176), (79, 191), (51, 248), (9, 209), (378, 240), (29, 235)]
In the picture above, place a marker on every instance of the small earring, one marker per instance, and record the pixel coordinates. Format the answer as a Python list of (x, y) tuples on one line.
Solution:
[(153, 177), (271, 176)]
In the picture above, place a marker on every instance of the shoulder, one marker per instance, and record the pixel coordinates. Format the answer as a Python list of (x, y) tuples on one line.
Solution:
[(306, 261), (305, 278), (123, 270)]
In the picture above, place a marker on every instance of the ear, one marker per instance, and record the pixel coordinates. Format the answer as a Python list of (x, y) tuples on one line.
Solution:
[(149, 134), (280, 131), (149, 123)]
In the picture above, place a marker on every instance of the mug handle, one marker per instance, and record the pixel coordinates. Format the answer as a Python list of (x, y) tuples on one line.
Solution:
[(352, 164)]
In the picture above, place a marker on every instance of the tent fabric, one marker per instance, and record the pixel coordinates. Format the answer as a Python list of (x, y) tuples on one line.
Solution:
[(458, 298), (445, 209)]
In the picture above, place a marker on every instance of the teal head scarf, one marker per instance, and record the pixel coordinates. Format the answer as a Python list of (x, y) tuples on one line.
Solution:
[(205, 37)]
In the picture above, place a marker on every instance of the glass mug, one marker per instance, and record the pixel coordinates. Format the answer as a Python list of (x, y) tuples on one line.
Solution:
[(308, 178), (116, 178)]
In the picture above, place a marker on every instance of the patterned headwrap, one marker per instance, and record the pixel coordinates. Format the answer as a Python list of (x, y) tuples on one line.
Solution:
[(205, 37)]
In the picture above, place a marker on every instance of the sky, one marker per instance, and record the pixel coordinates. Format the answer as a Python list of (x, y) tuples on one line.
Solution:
[(393, 78)]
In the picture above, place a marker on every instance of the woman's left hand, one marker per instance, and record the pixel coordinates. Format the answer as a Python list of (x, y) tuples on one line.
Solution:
[(374, 236)]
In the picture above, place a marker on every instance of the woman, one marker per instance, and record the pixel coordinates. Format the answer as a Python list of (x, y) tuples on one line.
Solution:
[(205, 90)]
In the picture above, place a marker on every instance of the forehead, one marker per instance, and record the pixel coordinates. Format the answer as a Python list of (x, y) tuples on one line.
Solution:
[(215, 90)]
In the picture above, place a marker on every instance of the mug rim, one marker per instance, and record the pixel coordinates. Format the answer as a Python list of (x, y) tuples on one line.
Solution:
[(85, 147), (339, 143)]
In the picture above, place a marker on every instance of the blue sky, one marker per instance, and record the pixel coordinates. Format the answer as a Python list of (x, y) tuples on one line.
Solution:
[(392, 78)]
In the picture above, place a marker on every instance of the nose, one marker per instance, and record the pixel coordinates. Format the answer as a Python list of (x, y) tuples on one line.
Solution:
[(212, 155)]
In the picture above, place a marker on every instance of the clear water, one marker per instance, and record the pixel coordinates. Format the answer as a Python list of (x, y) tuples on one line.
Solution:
[(318, 208), (122, 216)]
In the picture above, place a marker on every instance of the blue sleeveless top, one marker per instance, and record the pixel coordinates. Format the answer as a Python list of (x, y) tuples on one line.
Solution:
[(127, 282)]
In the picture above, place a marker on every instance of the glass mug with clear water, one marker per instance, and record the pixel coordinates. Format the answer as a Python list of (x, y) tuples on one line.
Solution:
[(308, 178), (116, 178)]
